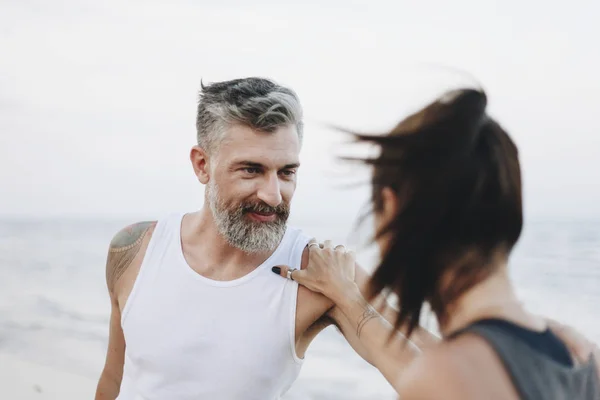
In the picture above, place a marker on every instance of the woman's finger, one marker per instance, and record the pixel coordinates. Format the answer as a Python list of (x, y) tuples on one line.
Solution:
[(295, 275), (328, 244), (313, 244), (280, 270)]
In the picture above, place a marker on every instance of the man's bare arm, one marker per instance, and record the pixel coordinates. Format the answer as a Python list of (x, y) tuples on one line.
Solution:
[(372, 336), (110, 380), (125, 250)]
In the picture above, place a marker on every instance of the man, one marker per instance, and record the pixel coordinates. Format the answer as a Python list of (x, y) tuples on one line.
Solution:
[(196, 311)]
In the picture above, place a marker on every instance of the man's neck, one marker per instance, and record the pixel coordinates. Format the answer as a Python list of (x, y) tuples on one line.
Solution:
[(201, 240)]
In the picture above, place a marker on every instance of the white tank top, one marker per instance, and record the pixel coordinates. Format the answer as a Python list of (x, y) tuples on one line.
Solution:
[(190, 337)]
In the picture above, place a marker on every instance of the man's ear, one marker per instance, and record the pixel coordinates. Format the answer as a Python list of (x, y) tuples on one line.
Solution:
[(199, 158)]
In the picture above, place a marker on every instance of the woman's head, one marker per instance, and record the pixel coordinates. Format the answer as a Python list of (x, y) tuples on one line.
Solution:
[(447, 202)]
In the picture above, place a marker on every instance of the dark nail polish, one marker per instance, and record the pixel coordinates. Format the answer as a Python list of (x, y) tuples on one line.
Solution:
[(277, 270)]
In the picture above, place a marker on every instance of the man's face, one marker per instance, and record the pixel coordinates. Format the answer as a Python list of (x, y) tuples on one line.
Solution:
[(252, 181)]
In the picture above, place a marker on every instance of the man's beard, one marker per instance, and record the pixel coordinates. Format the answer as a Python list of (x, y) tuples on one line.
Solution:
[(240, 231)]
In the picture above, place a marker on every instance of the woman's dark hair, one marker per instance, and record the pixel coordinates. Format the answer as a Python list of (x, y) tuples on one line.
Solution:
[(457, 177)]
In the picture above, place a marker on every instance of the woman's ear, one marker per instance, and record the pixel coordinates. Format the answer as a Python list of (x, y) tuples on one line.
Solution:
[(385, 216), (389, 205)]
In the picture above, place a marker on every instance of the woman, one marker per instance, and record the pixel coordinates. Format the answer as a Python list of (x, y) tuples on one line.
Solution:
[(448, 209)]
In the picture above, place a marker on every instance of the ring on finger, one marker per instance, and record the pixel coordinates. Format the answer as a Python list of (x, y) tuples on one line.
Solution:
[(289, 273)]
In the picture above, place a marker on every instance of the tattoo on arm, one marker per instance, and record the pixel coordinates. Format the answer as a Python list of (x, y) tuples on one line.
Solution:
[(123, 248), (366, 316)]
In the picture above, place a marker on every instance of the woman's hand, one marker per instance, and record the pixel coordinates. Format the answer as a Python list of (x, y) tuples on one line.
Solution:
[(580, 347), (330, 270)]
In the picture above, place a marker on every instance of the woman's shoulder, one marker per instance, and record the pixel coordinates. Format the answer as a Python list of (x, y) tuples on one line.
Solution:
[(462, 368)]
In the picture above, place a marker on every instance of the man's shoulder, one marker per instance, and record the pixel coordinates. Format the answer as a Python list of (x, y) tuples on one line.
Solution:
[(294, 246), (127, 247), (127, 237)]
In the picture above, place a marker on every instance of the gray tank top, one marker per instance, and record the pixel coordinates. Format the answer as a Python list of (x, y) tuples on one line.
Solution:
[(535, 375)]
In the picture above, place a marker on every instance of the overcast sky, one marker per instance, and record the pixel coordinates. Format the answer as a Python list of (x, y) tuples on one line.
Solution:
[(97, 99)]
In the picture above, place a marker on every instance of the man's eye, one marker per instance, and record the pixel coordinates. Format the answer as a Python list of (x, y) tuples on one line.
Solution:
[(251, 170), (288, 172)]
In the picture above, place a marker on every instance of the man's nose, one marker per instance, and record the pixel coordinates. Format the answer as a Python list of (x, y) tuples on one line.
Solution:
[(270, 191)]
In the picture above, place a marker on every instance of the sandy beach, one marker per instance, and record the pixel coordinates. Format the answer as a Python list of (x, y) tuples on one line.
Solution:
[(23, 380)]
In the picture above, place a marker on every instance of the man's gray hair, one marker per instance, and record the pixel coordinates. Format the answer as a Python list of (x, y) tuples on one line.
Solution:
[(258, 103)]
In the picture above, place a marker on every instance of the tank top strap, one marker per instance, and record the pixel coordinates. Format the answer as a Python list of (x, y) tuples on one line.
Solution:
[(536, 375), (160, 242), (295, 243)]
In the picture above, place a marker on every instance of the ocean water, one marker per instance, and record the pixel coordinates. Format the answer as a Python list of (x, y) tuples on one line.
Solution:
[(54, 309)]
